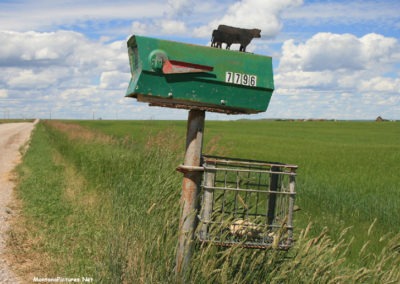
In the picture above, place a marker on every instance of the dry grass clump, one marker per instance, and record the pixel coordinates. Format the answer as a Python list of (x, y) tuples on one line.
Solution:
[(167, 139), (81, 133), (316, 259)]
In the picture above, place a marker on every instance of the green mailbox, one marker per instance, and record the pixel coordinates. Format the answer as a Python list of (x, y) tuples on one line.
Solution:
[(173, 74)]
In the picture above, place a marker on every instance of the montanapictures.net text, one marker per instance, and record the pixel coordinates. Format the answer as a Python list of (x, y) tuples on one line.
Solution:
[(63, 280)]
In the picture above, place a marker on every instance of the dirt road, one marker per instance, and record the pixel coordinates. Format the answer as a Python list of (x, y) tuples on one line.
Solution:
[(12, 137)]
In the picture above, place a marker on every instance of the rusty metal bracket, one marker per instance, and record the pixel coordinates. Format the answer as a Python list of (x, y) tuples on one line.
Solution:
[(185, 169)]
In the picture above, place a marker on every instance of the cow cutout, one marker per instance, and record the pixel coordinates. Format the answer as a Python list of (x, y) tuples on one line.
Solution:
[(229, 35)]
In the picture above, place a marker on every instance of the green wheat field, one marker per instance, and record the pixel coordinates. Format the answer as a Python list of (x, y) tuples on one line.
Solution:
[(100, 199)]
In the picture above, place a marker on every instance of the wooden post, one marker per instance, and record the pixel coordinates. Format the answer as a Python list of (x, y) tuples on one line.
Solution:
[(190, 191)]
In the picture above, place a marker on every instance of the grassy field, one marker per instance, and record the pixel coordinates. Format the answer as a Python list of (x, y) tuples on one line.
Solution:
[(15, 120), (101, 199)]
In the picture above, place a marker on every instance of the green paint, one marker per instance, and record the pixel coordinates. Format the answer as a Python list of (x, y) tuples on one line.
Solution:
[(207, 90)]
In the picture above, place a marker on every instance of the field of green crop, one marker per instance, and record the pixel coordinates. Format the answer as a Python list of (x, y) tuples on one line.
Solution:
[(101, 199)]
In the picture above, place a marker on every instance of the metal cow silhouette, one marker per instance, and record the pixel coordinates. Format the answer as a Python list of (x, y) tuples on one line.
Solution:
[(230, 35)]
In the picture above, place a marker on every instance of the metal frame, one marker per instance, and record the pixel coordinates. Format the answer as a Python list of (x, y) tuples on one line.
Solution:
[(248, 203)]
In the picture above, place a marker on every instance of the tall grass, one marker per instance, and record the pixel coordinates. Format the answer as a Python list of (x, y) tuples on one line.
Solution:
[(106, 206), (348, 171), (88, 199)]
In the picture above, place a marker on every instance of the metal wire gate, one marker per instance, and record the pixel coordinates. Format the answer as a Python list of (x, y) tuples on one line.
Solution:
[(247, 202)]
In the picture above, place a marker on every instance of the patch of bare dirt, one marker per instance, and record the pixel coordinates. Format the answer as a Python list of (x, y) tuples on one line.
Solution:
[(13, 138)]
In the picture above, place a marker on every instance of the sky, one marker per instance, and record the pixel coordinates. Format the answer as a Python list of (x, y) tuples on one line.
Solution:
[(68, 59)]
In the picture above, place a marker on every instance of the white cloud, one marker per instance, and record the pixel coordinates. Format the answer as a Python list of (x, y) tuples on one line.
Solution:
[(180, 7), (324, 51), (59, 49), (3, 93), (344, 12), (379, 51), (139, 28), (357, 71), (53, 48), (159, 27), (380, 84), (78, 94), (63, 71), (301, 79), (389, 101), (114, 80), (172, 27), (30, 14), (338, 61), (28, 78), (262, 14), (328, 51)]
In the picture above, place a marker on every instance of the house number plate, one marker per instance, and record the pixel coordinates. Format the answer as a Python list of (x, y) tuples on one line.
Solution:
[(241, 79)]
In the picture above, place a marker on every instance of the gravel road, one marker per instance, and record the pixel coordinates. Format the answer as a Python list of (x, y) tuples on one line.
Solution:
[(12, 137)]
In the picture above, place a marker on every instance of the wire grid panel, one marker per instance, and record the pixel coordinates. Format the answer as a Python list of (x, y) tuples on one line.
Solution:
[(245, 202)]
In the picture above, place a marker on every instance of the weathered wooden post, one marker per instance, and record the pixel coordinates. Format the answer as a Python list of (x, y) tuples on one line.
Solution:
[(190, 189)]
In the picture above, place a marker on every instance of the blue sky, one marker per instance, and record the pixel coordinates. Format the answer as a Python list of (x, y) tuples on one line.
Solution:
[(68, 58)]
